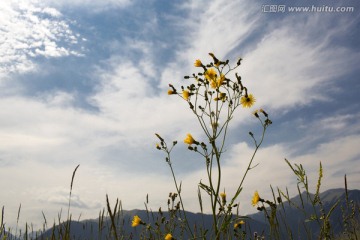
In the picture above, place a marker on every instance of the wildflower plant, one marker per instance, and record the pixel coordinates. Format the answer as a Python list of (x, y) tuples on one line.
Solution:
[(213, 95)]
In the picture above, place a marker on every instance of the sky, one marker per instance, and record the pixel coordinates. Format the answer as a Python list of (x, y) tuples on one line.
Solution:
[(85, 82)]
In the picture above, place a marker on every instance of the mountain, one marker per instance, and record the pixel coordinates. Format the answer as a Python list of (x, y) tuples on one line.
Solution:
[(292, 221), (298, 215)]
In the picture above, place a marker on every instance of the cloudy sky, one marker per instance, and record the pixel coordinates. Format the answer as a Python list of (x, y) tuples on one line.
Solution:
[(85, 82)]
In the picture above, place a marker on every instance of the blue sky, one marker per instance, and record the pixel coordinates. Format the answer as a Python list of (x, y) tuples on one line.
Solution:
[(85, 82)]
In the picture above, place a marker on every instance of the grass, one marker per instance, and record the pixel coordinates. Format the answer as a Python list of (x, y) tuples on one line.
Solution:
[(112, 222)]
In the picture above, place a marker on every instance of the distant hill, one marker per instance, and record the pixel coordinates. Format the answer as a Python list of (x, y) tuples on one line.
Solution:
[(296, 221), (89, 229)]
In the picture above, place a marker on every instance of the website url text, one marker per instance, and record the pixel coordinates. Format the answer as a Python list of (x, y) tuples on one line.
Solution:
[(324, 8)]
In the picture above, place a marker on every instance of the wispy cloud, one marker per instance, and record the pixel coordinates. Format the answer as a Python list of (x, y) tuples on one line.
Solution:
[(288, 69)]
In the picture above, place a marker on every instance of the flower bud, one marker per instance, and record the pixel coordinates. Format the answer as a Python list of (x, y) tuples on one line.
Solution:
[(239, 61), (189, 139), (198, 63), (216, 61), (158, 136), (263, 112), (186, 94), (223, 198)]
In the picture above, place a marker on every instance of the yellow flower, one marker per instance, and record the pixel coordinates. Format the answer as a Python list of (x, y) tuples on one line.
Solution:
[(216, 83), (238, 224), (198, 63), (186, 94), (255, 199), (136, 221), (211, 74), (168, 236), (170, 92), (189, 139), (247, 101)]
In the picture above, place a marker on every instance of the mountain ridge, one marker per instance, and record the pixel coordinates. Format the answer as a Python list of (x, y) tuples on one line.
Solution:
[(256, 222), (297, 222)]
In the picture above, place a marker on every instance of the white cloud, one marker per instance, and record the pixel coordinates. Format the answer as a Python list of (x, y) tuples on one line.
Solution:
[(211, 29), (52, 12), (321, 129), (287, 70), (344, 123), (125, 93), (43, 129), (58, 99), (94, 6), (29, 30)]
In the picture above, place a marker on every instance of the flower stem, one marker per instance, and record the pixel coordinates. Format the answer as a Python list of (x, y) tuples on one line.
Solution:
[(178, 190)]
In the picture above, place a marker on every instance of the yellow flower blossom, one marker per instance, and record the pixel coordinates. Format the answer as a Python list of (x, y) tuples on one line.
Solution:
[(216, 83), (198, 63), (238, 224), (189, 139), (168, 236), (255, 199), (136, 221), (247, 101), (211, 74), (186, 94), (171, 92)]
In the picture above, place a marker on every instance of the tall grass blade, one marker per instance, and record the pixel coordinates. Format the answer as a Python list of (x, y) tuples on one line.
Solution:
[(346, 190), (112, 217), (71, 187), (44, 218)]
